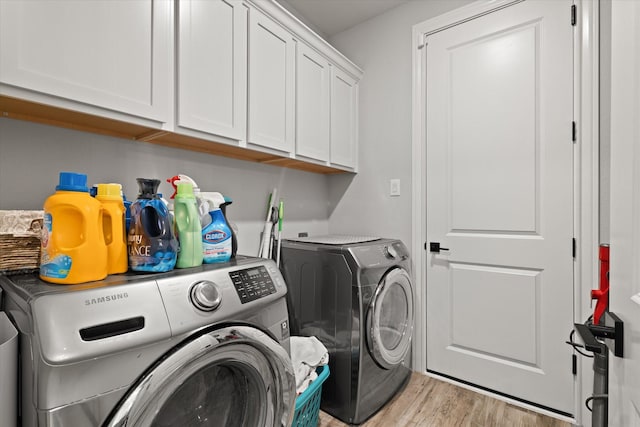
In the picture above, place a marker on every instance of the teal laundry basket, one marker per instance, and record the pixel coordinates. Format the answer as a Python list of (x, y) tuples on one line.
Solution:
[(308, 403)]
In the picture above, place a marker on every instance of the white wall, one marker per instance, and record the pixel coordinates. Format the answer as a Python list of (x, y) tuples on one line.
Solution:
[(624, 373), (382, 48), (285, 4), (605, 118), (32, 155)]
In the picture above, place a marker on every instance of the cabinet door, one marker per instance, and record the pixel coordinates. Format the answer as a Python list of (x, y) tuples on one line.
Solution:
[(212, 64), (109, 54), (344, 132), (271, 84), (312, 104)]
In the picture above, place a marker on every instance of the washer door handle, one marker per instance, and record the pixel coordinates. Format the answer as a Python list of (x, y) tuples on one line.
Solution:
[(436, 248)]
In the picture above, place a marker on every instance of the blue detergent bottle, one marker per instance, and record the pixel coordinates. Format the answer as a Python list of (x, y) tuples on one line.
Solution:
[(151, 242), (216, 235)]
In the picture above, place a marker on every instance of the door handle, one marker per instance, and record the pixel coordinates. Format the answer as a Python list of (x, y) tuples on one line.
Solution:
[(436, 248)]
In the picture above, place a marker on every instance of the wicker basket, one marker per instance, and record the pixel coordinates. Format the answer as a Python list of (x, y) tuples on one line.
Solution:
[(20, 240), (308, 403)]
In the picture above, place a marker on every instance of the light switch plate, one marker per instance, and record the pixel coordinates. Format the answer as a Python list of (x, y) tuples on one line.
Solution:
[(394, 187)]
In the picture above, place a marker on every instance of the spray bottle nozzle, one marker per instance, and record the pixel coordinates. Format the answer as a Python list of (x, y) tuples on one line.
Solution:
[(212, 200), (174, 183)]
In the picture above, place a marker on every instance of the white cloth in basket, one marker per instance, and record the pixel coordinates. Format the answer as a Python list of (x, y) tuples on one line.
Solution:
[(307, 353)]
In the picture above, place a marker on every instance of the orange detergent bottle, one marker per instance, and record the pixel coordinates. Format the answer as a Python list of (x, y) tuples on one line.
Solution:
[(113, 225), (73, 244)]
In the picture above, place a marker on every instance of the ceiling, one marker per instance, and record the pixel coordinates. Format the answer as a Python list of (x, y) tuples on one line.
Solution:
[(330, 17)]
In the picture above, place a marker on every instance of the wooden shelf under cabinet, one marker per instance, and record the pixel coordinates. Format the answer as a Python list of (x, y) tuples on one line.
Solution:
[(20, 109)]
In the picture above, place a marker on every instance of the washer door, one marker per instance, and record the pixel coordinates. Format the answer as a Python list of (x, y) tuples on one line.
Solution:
[(232, 376), (390, 319)]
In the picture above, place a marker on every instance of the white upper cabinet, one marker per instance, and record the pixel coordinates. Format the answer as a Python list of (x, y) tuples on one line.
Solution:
[(344, 119), (114, 55), (241, 78), (271, 84), (212, 64), (312, 104)]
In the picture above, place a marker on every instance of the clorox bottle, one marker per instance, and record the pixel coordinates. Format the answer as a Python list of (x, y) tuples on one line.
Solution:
[(110, 195), (73, 245), (188, 228), (216, 235), (151, 242)]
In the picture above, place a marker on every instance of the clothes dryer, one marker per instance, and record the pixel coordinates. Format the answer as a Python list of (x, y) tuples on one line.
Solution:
[(200, 346), (356, 295)]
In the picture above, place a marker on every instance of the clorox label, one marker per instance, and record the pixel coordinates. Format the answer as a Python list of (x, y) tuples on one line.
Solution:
[(216, 245), (214, 236), (216, 239)]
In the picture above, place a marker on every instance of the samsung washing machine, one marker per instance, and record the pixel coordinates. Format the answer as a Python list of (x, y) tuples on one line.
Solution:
[(355, 294), (194, 347)]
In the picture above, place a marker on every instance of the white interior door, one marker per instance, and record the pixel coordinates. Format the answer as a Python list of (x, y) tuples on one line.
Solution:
[(499, 185), (624, 376)]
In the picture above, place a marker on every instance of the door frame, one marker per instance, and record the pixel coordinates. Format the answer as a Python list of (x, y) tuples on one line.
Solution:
[(586, 178)]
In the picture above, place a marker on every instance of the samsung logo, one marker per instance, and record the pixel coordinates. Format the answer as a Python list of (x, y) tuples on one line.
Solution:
[(106, 298)]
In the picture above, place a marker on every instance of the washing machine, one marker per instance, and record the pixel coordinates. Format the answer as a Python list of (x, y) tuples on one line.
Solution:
[(356, 295), (204, 346)]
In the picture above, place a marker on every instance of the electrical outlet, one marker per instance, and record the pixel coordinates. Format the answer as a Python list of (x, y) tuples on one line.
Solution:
[(394, 187)]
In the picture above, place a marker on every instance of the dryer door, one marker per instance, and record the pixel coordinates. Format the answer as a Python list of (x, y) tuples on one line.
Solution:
[(231, 376), (390, 319)]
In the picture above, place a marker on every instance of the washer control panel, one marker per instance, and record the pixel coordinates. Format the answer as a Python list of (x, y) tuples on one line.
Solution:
[(252, 283), (219, 292)]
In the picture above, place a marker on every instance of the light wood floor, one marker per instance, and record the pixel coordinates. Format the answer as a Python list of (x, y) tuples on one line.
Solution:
[(426, 401)]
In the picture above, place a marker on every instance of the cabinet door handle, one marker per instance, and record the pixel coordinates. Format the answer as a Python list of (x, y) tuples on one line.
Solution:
[(436, 248)]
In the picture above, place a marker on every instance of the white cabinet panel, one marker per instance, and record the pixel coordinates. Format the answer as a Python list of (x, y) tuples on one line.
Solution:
[(271, 84), (312, 104), (212, 64), (108, 54), (344, 96)]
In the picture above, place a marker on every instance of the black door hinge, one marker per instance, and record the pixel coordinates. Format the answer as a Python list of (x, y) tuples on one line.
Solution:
[(425, 246), (574, 248), (574, 132), (574, 364), (574, 14)]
